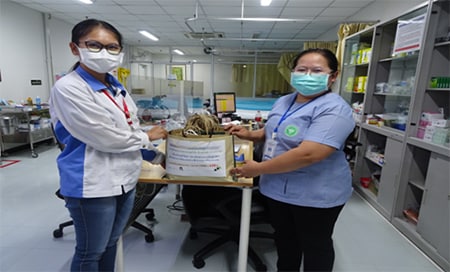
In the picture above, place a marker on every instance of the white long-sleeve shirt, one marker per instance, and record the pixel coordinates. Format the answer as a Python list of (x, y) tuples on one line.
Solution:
[(102, 154)]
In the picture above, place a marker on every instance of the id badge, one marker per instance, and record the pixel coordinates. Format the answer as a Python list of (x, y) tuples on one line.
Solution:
[(269, 149)]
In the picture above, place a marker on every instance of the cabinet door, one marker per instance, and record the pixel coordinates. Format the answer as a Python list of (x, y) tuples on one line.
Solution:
[(357, 55), (389, 174), (434, 216)]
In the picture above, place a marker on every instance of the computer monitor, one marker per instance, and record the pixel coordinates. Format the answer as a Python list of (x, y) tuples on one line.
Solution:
[(225, 103)]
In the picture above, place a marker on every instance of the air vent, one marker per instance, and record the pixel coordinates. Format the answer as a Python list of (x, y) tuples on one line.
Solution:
[(204, 35)]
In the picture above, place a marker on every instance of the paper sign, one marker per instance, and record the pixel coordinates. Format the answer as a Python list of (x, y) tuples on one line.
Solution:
[(196, 158), (409, 34)]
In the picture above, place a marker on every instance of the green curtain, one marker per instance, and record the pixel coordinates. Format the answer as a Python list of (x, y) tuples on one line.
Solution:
[(285, 65), (268, 81), (332, 46)]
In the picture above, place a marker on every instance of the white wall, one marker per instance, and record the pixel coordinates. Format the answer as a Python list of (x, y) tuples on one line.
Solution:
[(60, 35), (22, 50)]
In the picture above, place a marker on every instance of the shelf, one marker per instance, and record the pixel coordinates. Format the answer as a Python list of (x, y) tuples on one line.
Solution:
[(356, 65), (392, 94), (32, 126), (438, 89), (27, 109), (374, 161), (353, 92), (405, 224), (366, 191), (418, 184), (408, 57), (447, 43), (386, 131), (439, 149)]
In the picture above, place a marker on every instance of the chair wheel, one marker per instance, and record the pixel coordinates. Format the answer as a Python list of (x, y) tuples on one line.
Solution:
[(149, 238), (198, 263), (57, 233), (150, 216)]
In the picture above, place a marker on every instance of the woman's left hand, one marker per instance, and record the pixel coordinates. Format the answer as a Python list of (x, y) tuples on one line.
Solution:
[(250, 169)]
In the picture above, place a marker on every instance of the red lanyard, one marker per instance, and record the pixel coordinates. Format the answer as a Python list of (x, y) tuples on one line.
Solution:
[(125, 107)]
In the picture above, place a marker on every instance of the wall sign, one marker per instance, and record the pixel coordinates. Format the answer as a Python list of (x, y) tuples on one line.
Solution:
[(36, 82)]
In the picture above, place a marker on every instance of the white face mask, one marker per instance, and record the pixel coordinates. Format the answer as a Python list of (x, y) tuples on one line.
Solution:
[(100, 62)]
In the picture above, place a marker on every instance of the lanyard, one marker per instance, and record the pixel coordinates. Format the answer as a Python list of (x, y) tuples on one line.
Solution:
[(287, 113), (125, 107)]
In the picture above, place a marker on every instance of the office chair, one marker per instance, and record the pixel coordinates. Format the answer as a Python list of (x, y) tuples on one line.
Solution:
[(350, 146), (217, 210), (58, 233)]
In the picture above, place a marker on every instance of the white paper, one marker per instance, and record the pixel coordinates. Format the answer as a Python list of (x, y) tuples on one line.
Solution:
[(196, 158), (409, 34)]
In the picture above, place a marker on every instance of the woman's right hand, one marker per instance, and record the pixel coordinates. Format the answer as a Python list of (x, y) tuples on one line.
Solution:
[(239, 131), (157, 132)]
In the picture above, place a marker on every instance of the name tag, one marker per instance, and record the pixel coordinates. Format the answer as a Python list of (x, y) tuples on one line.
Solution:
[(269, 149)]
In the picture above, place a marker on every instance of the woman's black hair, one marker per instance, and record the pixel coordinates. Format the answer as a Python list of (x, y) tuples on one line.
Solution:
[(327, 54), (84, 27)]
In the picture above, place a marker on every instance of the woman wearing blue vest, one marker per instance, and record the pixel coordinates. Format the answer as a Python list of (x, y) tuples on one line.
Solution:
[(304, 173), (96, 120)]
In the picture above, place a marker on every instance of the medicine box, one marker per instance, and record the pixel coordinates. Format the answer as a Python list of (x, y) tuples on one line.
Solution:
[(442, 123), (427, 118)]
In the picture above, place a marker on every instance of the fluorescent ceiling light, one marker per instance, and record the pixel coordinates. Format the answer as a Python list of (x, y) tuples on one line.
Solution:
[(86, 1), (178, 51), (265, 3), (257, 19), (149, 35)]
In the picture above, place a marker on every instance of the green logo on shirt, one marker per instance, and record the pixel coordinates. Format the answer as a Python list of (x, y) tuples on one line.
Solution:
[(291, 130)]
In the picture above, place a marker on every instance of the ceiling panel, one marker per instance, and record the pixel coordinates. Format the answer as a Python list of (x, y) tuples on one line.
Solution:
[(171, 19), (352, 3), (301, 13)]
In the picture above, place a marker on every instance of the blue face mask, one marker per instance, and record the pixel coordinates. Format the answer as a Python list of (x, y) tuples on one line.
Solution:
[(309, 85)]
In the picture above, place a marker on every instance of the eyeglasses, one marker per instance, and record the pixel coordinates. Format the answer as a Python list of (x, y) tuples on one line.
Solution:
[(311, 71), (95, 47)]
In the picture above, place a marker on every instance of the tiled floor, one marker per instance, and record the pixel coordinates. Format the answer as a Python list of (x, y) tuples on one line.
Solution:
[(30, 212)]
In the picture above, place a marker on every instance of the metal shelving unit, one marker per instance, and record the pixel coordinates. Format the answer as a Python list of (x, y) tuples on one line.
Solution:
[(26, 126)]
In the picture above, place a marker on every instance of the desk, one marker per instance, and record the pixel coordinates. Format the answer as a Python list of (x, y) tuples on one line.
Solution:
[(152, 174)]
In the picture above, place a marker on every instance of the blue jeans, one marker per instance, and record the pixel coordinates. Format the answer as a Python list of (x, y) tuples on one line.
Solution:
[(98, 223)]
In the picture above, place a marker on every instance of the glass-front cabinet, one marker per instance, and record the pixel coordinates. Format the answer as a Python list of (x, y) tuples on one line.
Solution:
[(422, 211), (403, 164), (391, 84), (395, 67), (357, 56)]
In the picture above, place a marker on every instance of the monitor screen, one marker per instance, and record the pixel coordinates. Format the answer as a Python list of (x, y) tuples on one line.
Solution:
[(225, 102)]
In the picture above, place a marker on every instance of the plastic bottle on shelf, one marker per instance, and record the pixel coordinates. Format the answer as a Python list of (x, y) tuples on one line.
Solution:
[(38, 102)]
